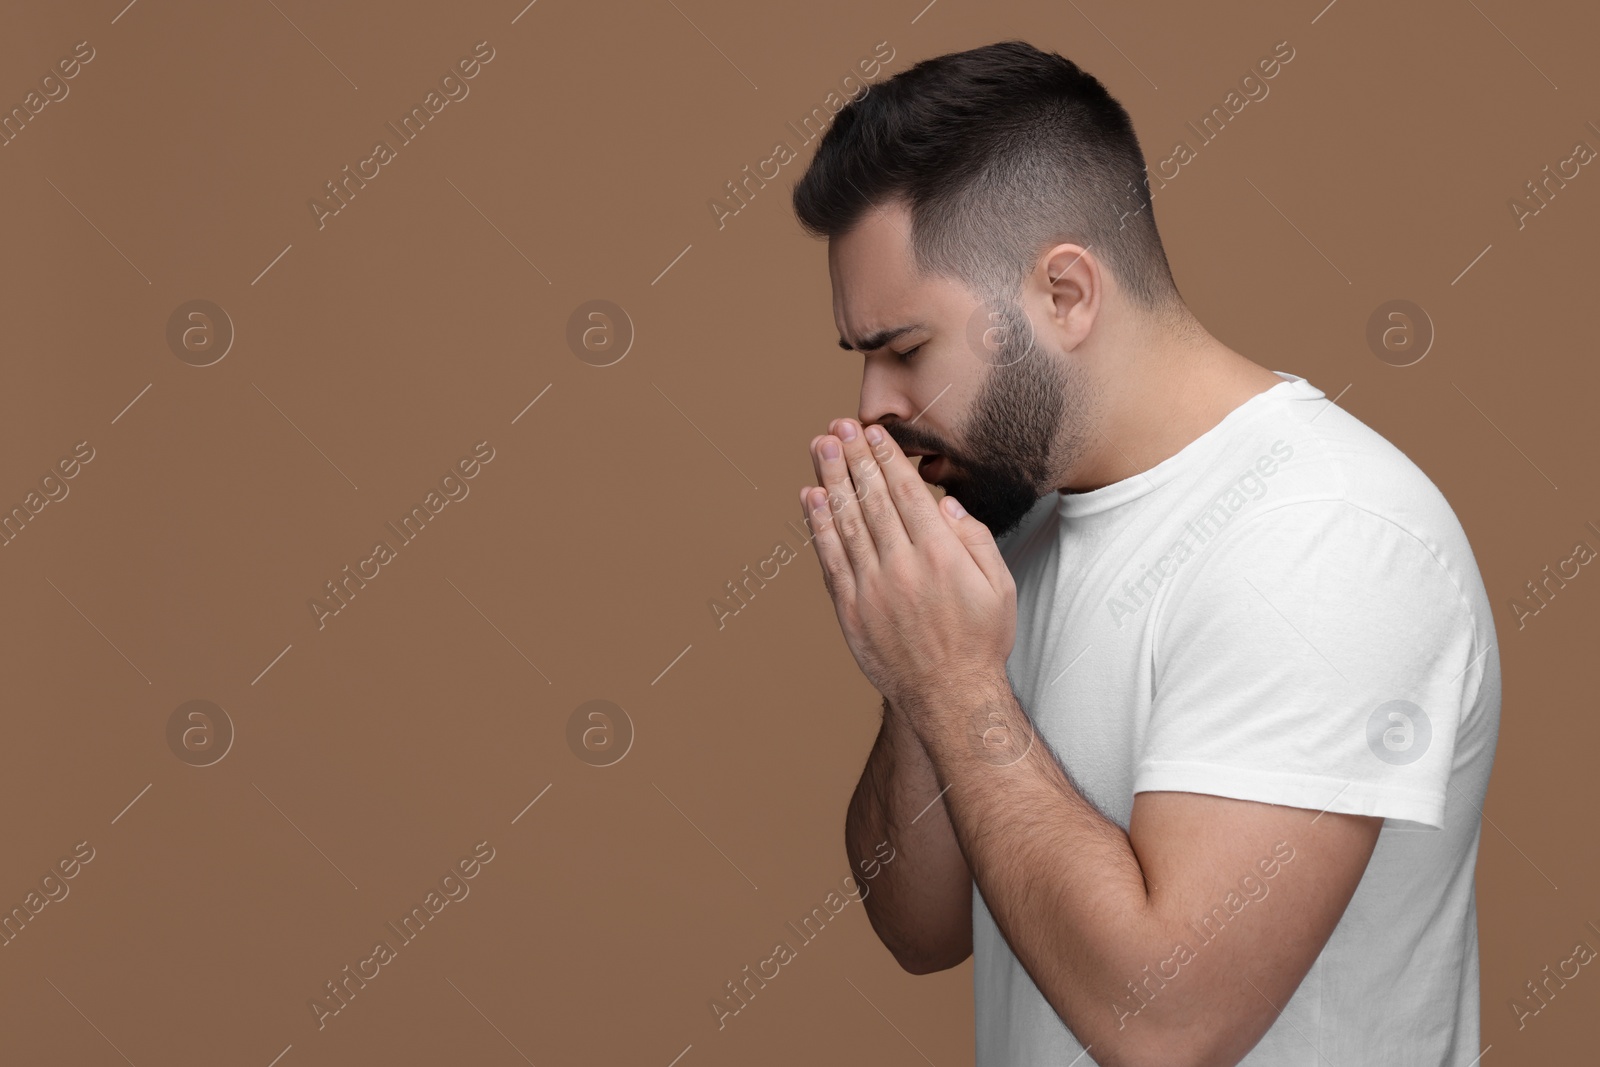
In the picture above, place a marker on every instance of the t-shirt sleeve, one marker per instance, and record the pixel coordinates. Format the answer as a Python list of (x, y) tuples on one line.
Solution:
[(1318, 657)]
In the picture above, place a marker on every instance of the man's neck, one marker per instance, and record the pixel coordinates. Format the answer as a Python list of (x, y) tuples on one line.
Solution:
[(1179, 391)]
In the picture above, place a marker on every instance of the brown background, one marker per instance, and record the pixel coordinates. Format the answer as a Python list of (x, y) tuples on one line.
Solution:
[(433, 309)]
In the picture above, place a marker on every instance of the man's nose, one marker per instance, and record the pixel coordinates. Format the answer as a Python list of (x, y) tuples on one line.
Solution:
[(880, 399)]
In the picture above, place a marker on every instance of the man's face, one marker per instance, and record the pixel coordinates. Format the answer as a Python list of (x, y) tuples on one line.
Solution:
[(1002, 411)]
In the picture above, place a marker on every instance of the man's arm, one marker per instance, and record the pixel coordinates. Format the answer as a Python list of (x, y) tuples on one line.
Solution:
[(928, 609), (921, 905), (1143, 942)]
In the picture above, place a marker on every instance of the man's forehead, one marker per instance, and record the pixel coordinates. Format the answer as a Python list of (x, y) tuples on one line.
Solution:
[(872, 270), (869, 305), (872, 311)]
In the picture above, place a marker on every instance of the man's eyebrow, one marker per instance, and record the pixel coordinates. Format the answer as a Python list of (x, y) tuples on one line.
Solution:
[(873, 342)]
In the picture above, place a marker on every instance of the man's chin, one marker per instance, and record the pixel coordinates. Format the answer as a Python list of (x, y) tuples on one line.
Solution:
[(998, 528), (1001, 512)]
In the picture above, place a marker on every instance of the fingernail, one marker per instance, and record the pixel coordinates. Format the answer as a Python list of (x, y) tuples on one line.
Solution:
[(875, 434), (848, 430), (955, 507), (830, 448)]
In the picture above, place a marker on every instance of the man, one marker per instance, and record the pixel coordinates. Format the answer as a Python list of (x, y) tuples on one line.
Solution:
[(1190, 759)]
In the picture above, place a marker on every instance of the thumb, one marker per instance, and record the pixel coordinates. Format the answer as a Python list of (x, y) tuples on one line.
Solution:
[(978, 539)]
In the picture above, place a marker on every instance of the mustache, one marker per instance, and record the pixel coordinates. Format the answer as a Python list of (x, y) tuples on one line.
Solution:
[(909, 439)]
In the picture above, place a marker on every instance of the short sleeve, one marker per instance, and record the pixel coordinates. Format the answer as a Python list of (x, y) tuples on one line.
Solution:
[(1318, 657)]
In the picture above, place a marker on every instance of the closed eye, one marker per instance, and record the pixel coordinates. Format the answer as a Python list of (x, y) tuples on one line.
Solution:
[(910, 352)]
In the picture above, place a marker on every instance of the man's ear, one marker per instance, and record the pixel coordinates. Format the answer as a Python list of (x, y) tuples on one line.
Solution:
[(1074, 281)]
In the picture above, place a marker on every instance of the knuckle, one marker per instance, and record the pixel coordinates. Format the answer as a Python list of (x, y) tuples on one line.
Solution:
[(899, 569), (829, 576), (908, 492), (837, 578), (858, 542)]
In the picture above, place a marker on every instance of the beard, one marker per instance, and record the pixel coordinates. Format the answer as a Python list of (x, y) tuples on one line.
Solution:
[(1028, 426)]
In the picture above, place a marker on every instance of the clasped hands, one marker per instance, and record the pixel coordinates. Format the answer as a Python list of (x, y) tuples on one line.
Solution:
[(923, 596)]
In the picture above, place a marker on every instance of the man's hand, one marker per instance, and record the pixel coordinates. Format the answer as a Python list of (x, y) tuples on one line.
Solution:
[(922, 593)]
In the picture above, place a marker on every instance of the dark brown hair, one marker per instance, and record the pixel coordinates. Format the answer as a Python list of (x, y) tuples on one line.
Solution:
[(999, 152)]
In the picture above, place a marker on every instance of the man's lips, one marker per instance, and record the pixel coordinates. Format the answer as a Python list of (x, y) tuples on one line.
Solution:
[(932, 465)]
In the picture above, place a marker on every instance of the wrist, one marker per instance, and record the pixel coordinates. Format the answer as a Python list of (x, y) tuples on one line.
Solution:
[(969, 717), (934, 697)]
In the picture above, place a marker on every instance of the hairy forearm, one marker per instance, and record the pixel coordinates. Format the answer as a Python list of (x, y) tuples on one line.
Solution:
[(920, 905), (1062, 882)]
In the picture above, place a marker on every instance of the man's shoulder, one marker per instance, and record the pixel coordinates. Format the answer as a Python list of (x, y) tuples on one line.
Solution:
[(1337, 499), (1315, 452)]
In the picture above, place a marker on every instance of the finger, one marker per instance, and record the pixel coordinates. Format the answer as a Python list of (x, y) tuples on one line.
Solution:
[(906, 490), (872, 492), (816, 465), (836, 570), (843, 508), (979, 541)]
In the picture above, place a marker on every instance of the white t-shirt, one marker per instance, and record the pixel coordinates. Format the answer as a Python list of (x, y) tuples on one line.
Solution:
[(1288, 611)]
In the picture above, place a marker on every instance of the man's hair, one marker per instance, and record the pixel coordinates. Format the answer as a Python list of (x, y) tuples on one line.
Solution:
[(999, 152)]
